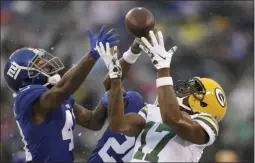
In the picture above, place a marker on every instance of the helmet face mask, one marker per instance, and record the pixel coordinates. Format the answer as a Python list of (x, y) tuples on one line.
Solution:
[(192, 86), (44, 63), (184, 89), (201, 95), (28, 66)]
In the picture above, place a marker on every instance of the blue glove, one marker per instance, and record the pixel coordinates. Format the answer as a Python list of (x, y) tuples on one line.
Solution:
[(108, 37)]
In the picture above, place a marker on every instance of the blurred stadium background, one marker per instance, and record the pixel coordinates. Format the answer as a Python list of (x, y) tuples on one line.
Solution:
[(215, 39)]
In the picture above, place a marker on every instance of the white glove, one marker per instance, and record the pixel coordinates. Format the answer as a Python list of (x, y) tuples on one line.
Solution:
[(159, 56), (110, 59)]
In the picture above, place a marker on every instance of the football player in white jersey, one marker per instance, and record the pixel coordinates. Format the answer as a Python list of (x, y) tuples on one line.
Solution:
[(185, 120)]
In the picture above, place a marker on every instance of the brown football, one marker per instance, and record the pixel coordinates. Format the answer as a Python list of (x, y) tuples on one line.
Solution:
[(139, 21)]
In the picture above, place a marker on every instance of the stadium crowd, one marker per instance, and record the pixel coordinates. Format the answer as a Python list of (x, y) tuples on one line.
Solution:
[(215, 39)]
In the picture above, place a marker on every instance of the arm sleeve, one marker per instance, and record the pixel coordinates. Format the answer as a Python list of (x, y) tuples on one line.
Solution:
[(210, 125), (25, 100)]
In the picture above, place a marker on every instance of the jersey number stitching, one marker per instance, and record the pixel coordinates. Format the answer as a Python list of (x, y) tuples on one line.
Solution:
[(153, 155), (118, 148), (67, 131), (67, 134)]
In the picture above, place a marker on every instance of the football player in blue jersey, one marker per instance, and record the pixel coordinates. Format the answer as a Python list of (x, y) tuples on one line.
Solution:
[(44, 109), (113, 146)]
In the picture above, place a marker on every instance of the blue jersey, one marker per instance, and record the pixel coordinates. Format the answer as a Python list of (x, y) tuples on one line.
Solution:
[(117, 147), (51, 141)]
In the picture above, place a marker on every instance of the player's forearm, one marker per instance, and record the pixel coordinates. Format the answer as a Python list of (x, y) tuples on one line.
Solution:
[(93, 120), (168, 103), (72, 79), (95, 123), (98, 119), (69, 83), (125, 68), (116, 105)]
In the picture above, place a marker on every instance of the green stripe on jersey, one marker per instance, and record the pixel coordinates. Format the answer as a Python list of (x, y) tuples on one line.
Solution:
[(145, 113), (139, 154), (208, 124), (213, 119)]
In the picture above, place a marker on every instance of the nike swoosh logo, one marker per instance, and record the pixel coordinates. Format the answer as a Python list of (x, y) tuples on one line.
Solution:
[(161, 56)]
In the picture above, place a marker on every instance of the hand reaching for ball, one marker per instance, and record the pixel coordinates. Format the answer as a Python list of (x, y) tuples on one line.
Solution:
[(110, 59), (135, 49), (156, 50)]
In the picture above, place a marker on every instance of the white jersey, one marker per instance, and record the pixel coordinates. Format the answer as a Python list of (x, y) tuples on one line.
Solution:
[(158, 143)]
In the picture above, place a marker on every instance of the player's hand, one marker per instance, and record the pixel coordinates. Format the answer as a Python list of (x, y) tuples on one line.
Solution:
[(156, 51), (110, 59), (108, 37)]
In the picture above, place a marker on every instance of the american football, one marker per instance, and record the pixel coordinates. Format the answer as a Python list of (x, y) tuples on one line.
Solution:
[(139, 21)]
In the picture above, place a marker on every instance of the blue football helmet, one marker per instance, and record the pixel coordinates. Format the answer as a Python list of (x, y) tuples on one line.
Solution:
[(28, 66), (105, 99)]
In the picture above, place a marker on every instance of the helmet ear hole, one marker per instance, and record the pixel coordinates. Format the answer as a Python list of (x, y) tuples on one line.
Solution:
[(203, 104)]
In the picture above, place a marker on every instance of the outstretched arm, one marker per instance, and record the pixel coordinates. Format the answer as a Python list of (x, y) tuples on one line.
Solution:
[(72, 79), (181, 123), (129, 124), (93, 120), (171, 114), (129, 58)]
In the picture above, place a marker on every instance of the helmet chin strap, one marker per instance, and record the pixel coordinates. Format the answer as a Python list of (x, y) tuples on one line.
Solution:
[(180, 102)]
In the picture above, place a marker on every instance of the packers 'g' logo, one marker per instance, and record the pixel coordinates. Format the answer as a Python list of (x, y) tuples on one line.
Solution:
[(220, 97)]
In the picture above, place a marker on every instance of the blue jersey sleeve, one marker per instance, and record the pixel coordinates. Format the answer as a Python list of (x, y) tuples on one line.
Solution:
[(137, 100), (25, 99)]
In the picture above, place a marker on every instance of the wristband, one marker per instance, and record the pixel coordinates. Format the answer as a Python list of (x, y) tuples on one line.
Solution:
[(164, 81), (130, 57)]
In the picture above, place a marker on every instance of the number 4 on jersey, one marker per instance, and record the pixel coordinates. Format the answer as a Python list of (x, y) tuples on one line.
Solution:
[(67, 132)]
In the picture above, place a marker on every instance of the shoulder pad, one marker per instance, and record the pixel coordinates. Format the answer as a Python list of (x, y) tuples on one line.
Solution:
[(26, 97), (209, 121)]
